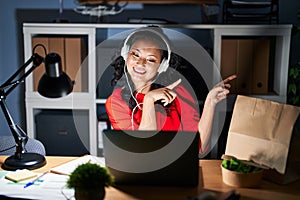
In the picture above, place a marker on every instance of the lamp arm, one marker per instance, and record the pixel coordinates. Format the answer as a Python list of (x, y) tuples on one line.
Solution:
[(19, 135), (36, 59)]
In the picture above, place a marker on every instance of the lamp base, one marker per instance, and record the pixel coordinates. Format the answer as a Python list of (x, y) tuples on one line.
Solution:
[(27, 161)]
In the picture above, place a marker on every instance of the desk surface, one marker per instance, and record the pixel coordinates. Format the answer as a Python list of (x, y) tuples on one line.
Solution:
[(210, 178)]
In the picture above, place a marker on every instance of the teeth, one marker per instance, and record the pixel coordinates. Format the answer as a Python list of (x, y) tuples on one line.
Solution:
[(141, 71)]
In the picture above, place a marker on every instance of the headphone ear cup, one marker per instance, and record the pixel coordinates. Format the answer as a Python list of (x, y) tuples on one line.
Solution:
[(124, 52), (163, 66)]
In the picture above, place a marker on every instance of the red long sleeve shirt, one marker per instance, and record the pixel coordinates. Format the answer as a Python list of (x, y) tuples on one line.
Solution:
[(182, 114)]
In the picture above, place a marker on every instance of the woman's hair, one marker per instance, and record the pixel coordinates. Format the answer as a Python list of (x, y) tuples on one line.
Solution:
[(161, 80)]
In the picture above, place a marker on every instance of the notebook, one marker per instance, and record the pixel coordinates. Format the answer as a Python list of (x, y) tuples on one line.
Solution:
[(162, 158)]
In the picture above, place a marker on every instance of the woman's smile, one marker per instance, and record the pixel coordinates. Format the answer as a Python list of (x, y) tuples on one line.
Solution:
[(139, 70)]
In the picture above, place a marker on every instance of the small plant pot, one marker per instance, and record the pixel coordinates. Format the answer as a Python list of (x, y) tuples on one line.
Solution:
[(88, 194), (238, 179)]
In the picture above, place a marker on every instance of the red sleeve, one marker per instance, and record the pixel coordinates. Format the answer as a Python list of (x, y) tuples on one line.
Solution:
[(118, 111), (190, 115), (188, 108)]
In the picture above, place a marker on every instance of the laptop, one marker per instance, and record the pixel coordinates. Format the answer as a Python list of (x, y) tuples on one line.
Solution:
[(165, 158)]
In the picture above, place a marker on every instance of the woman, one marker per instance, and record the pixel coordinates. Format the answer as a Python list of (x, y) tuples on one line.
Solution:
[(150, 94)]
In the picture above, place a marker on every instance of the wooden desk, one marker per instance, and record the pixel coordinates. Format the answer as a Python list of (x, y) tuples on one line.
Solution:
[(210, 179)]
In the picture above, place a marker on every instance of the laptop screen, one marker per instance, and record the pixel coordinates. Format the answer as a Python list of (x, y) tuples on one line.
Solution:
[(167, 158)]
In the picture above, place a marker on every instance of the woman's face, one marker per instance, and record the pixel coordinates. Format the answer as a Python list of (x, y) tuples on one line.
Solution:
[(143, 61)]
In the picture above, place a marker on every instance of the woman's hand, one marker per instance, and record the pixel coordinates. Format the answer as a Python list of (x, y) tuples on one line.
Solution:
[(220, 90), (215, 95), (166, 94)]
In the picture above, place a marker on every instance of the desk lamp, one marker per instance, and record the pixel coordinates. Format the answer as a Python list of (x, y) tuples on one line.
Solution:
[(53, 84)]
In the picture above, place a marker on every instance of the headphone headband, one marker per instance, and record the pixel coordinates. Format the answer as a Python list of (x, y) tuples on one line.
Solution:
[(164, 63)]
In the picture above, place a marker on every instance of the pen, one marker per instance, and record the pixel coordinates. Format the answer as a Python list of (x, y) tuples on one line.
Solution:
[(33, 181)]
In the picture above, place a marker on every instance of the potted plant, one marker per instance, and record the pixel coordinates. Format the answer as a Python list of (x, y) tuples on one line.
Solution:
[(89, 181)]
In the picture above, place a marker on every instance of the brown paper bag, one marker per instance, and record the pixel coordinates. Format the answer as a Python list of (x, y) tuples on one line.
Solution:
[(261, 131)]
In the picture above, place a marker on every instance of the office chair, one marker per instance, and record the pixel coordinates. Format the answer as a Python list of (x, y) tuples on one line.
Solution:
[(7, 146)]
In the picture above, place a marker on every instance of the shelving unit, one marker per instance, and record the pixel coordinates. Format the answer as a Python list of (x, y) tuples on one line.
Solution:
[(74, 101), (87, 100), (282, 34)]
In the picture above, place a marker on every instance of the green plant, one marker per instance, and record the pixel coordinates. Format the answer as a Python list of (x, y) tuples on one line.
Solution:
[(294, 85), (90, 176)]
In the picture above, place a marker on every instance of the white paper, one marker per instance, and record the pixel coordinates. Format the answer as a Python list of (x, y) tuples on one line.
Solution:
[(69, 167), (50, 186)]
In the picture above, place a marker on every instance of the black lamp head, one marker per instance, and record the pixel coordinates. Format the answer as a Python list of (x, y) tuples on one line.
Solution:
[(54, 83)]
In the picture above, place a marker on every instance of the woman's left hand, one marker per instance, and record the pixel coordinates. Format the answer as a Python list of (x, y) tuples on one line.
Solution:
[(166, 94), (220, 90)]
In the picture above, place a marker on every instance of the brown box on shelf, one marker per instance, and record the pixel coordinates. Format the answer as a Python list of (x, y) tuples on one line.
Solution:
[(261, 55), (74, 56), (229, 59), (72, 52), (249, 59), (57, 45), (244, 66), (39, 71)]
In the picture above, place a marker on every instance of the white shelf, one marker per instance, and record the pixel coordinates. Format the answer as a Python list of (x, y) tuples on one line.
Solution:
[(282, 33), (74, 101)]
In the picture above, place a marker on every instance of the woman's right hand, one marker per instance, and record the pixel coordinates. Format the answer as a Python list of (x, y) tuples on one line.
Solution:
[(166, 94)]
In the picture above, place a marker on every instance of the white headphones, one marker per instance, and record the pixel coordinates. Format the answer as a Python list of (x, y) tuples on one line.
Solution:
[(164, 63)]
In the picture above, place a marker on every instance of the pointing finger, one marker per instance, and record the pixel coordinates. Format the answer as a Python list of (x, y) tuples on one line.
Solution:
[(173, 85), (230, 78), (225, 82)]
